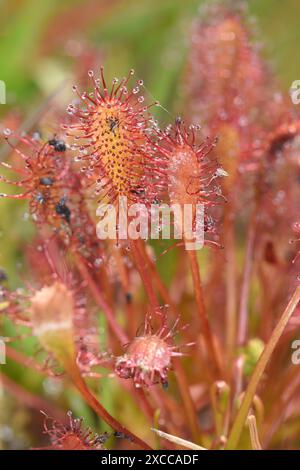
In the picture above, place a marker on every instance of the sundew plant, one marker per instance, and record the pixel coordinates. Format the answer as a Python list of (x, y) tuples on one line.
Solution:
[(150, 225)]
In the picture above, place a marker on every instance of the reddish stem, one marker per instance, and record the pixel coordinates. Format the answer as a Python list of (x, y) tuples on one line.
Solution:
[(25, 361), (80, 384), (125, 282), (208, 336), (179, 371), (29, 399), (187, 399), (156, 277), (143, 271), (230, 283), (243, 310), (98, 296)]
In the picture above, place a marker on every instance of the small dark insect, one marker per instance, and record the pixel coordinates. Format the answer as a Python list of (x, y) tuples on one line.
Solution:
[(103, 438), (46, 181), (39, 197), (128, 297), (62, 209), (59, 145), (137, 191), (165, 385), (121, 435), (3, 275), (113, 124)]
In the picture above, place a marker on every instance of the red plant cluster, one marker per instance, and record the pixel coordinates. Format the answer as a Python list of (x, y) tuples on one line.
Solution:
[(248, 182), (72, 436), (110, 136)]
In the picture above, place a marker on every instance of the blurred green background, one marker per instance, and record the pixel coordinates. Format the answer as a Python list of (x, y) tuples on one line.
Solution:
[(149, 35), (42, 44), (38, 40)]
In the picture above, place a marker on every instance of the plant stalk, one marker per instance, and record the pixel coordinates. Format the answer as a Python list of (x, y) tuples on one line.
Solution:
[(99, 409), (241, 416), (179, 371), (207, 333), (97, 294)]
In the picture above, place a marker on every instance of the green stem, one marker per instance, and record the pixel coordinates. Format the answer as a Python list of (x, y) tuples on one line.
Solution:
[(241, 416)]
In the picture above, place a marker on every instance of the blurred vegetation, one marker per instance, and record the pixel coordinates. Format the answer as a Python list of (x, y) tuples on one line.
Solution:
[(147, 35)]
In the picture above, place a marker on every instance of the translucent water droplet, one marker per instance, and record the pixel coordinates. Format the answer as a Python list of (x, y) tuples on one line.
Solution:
[(7, 132), (278, 97), (98, 262), (70, 109), (221, 172), (238, 101), (52, 387), (296, 226), (90, 73), (243, 121)]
